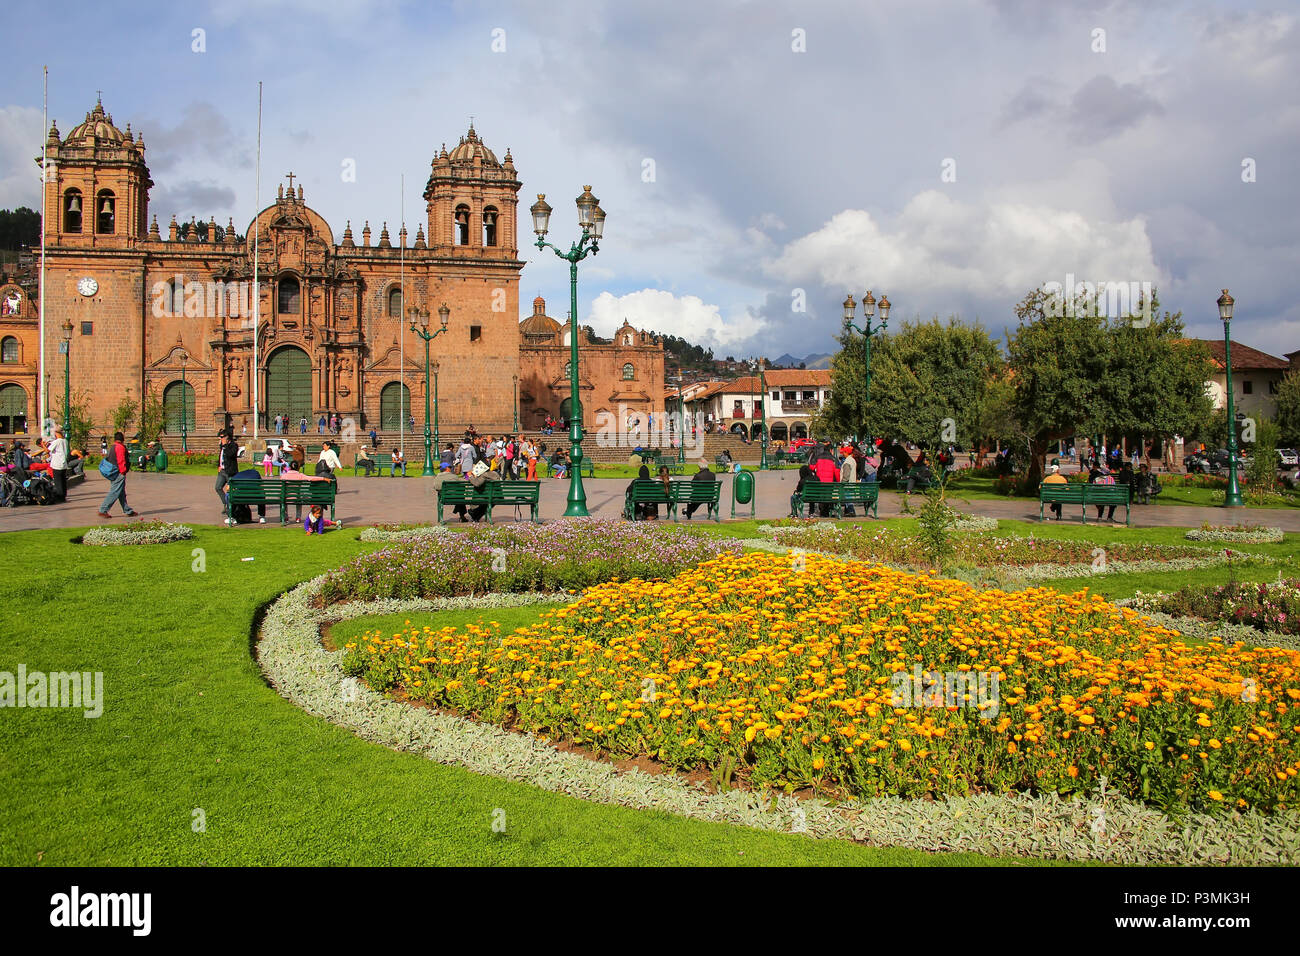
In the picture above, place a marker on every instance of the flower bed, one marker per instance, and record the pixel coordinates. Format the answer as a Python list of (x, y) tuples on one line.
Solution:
[(1272, 606), (788, 677), (402, 532), (891, 546), (1240, 533), (143, 532), (571, 554)]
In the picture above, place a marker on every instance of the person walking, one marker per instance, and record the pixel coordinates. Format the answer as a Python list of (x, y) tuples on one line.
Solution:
[(327, 463), (227, 468), (302, 425), (120, 463), (58, 449)]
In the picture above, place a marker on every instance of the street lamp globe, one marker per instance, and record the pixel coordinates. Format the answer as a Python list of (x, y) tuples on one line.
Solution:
[(850, 310), (443, 313), (1225, 306), (587, 204), (541, 211), (598, 223), (67, 330), (884, 310), (868, 305)]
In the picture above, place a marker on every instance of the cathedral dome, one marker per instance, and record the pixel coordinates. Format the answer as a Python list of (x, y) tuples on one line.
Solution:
[(99, 125), (470, 148), (537, 324)]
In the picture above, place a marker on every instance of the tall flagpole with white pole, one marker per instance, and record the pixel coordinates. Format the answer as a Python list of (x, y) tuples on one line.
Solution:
[(401, 330), (257, 292), (45, 175)]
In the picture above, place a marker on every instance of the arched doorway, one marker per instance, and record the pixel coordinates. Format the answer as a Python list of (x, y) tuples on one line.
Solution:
[(739, 429), (288, 384), (174, 400), (394, 406), (780, 432), (799, 430), (564, 411), (13, 409)]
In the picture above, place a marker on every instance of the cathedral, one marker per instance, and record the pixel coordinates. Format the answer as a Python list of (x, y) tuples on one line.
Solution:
[(168, 310)]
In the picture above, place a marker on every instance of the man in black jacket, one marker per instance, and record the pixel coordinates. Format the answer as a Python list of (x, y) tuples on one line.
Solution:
[(227, 464), (704, 474)]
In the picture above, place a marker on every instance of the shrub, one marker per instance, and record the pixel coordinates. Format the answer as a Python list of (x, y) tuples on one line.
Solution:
[(142, 532)]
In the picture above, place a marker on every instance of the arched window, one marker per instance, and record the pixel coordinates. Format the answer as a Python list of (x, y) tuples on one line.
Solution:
[(629, 372), (394, 406), (178, 401), (490, 226), (461, 237), (289, 295), (9, 350), (72, 210), (173, 297), (106, 212), (395, 302)]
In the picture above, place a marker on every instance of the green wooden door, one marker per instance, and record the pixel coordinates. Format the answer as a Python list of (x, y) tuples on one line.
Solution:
[(288, 385), (394, 406), (173, 402), (13, 409)]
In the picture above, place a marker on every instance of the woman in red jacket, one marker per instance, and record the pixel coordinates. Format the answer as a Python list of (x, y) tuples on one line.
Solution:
[(117, 483)]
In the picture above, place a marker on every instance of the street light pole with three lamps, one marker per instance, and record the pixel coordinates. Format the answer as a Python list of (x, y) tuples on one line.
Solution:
[(869, 310), (592, 220), (420, 326)]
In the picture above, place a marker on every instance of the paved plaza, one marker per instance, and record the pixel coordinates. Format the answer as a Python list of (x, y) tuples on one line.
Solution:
[(365, 501)]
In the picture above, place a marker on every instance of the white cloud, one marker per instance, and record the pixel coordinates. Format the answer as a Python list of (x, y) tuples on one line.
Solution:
[(687, 316), (20, 140), (940, 248)]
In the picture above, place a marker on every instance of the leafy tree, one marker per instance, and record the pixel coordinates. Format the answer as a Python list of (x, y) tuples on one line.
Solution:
[(151, 415), (124, 413), (928, 381), (79, 425), (1261, 475), (1084, 373), (18, 228), (1288, 409)]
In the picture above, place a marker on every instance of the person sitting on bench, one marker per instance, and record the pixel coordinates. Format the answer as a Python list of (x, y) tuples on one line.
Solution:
[(365, 462), (398, 461), (705, 476)]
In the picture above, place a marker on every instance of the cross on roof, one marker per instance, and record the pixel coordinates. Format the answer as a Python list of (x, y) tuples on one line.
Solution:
[(289, 176)]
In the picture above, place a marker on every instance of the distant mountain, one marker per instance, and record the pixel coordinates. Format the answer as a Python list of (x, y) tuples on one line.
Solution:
[(810, 361)]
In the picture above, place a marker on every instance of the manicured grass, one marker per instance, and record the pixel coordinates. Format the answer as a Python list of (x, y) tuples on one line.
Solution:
[(189, 724)]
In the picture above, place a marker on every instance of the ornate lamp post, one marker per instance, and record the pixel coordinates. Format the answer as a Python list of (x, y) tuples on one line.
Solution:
[(1233, 497), (66, 349), (869, 310), (515, 380), (592, 220), (185, 445), (762, 391), (420, 326), (681, 423)]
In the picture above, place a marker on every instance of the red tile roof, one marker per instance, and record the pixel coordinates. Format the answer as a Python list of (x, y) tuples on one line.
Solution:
[(1244, 357)]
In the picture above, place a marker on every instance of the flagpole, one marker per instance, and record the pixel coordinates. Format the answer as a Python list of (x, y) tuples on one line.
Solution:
[(401, 337), (257, 292), (42, 400)]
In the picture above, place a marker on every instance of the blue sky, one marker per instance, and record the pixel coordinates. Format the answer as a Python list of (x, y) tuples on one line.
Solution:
[(798, 148)]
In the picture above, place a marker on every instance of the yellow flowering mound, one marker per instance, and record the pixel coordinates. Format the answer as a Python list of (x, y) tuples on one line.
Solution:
[(865, 680)]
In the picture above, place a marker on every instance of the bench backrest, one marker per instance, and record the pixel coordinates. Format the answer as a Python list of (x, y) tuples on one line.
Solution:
[(1064, 492), (690, 491), (1106, 494), (316, 492), (516, 490), (648, 490)]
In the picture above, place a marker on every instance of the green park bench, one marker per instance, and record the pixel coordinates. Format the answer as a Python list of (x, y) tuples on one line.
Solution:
[(799, 457), (1077, 493), (688, 492), (493, 494), (838, 494), (644, 491), (588, 468)]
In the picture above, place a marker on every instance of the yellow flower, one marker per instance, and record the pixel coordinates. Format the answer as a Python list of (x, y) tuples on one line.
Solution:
[(1215, 795)]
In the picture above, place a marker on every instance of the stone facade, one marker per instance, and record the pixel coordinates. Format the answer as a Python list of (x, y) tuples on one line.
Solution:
[(616, 379), (148, 305)]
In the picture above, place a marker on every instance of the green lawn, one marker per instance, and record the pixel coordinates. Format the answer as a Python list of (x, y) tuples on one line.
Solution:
[(189, 723)]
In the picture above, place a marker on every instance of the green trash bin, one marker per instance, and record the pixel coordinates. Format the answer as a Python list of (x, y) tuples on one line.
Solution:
[(742, 491), (160, 459)]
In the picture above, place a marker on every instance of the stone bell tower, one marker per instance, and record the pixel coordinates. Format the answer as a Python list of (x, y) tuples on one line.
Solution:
[(98, 194), (472, 200)]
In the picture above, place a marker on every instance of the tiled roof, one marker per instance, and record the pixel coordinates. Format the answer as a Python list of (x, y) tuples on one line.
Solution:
[(1244, 357)]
